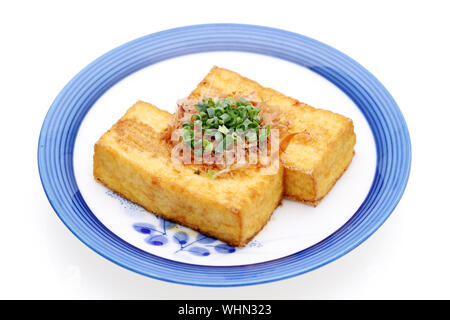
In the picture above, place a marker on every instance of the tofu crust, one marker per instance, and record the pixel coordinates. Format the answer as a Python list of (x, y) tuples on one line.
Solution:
[(133, 160), (313, 165)]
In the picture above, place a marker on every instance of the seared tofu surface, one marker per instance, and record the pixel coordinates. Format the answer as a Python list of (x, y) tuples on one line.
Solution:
[(319, 153), (134, 160)]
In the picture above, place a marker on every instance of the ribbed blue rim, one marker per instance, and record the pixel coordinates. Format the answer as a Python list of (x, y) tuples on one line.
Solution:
[(60, 128)]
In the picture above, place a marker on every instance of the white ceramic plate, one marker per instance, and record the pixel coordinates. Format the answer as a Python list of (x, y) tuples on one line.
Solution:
[(294, 226), (162, 67)]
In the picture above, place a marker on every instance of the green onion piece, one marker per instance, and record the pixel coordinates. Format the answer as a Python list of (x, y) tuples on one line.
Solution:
[(246, 123), (253, 125), (187, 134), (225, 117), (210, 112), (212, 122), (223, 129), (211, 174)]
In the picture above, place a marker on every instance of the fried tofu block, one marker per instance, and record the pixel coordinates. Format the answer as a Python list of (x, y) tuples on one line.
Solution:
[(134, 160), (315, 159)]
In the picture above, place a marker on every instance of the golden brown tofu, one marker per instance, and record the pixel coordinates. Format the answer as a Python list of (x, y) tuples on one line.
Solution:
[(315, 159), (133, 160)]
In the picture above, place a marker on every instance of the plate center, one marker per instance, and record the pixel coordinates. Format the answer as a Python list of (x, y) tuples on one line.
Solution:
[(293, 226)]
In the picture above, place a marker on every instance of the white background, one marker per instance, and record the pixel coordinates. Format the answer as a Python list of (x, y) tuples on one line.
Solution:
[(405, 44)]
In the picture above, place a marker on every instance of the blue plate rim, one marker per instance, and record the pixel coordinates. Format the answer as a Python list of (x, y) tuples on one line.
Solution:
[(57, 137)]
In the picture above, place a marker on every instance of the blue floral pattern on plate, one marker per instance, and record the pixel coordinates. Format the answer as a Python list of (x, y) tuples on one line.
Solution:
[(164, 232), (201, 246)]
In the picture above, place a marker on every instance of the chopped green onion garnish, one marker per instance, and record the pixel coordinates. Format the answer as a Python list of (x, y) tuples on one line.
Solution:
[(224, 121)]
